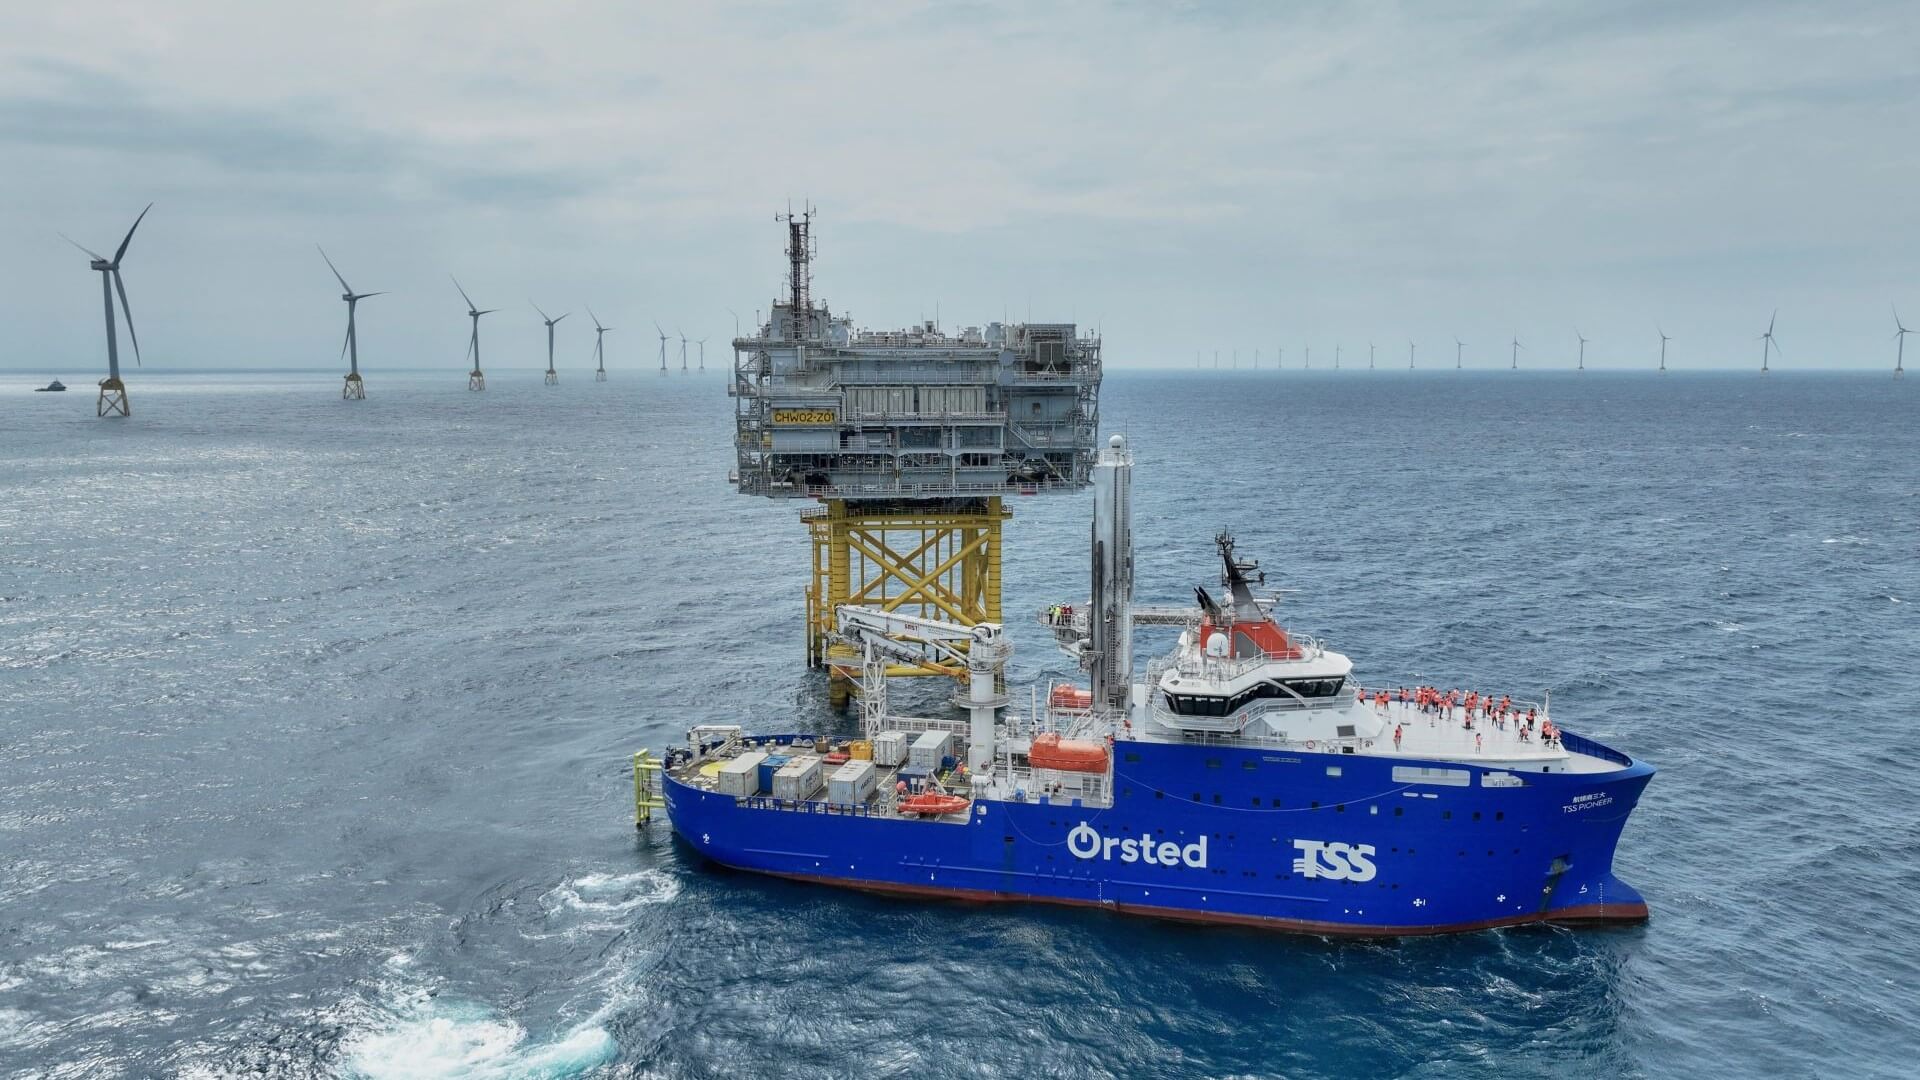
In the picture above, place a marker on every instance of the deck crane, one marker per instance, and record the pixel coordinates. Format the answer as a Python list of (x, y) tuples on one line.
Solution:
[(980, 651)]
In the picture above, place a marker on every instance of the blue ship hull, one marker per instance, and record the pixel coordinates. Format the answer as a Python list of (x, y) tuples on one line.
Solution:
[(1318, 843)]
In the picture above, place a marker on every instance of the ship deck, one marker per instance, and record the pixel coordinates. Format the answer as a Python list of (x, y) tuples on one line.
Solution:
[(1427, 735), (701, 773)]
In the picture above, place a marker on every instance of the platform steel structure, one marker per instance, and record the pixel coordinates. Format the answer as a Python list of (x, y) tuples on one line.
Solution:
[(910, 440)]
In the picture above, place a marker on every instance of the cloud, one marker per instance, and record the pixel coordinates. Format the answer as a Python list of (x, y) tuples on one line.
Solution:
[(1238, 172)]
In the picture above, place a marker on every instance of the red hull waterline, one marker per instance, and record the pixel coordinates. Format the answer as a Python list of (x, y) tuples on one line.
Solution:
[(1581, 915)]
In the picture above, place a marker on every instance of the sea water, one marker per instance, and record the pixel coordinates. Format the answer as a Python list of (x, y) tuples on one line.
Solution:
[(316, 720)]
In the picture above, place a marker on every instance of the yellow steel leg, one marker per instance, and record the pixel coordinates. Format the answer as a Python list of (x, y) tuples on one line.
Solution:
[(938, 563)]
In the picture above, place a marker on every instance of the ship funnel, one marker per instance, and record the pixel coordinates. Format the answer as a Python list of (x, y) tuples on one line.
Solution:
[(1111, 621)]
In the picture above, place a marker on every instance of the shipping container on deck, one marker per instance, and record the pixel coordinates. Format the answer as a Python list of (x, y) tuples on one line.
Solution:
[(852, 784), (741, 776), (930, 747), (798, 779), (770, 765), (890, 748)]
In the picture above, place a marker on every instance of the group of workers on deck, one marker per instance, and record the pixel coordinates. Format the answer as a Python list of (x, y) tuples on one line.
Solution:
[(1445, 705)]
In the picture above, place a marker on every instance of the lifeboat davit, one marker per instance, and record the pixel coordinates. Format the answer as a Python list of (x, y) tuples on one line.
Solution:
[(1050, 751), (933, 803)]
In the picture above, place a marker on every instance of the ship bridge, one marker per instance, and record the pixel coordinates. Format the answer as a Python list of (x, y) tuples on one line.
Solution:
[(909, 440)]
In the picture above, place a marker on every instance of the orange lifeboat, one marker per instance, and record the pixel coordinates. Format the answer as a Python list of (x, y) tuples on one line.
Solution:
[(933, 803), (1070, 697), (1050, 751)]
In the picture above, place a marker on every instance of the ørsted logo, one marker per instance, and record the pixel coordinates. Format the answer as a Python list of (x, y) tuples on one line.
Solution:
[(1334, 860), (1086, 843)]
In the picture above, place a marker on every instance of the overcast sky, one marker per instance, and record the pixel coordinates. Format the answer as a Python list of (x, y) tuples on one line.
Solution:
[(1189, 177)]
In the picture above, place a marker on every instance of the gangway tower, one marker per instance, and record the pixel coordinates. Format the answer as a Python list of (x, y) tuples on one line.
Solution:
[(910, 441)]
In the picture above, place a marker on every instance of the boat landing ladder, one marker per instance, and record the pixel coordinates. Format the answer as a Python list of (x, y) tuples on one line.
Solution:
[(649, 789)]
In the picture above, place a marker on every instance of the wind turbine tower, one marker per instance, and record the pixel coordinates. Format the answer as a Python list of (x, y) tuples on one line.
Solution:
[(1900, 335), (1458, 347), (1370, 350), (683, 350), (1336, 358), (553, 377), (702, 344), (663, 347), (1767, 344), (1663, 348), (353, 389), (599, 350), (113, 393), (1516, 353), (476, 379), (1583, 351), (1409, 356)]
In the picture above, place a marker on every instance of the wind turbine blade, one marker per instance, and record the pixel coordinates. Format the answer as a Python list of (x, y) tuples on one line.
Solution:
[(364, 295), (121, 288), (129, 239), (563, 315), (335, 269), (595, 318), (463, 292), (543, 314), (1771, 320), (76, 243), (489, 311), (344, 340)]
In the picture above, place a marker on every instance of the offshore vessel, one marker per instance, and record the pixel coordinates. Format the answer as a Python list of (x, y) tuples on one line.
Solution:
[(1246, 778)]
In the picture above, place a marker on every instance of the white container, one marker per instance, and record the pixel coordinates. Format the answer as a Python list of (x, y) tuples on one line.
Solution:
[(852, 784), (741, 776), (890, 748), (929, 748), (798, 779)]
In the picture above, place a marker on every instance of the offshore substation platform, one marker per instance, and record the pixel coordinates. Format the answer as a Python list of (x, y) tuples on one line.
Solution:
[(910, 440)]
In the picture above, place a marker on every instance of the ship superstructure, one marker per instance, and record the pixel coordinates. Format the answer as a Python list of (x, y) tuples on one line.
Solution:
[(1247, 777), (909, 440)]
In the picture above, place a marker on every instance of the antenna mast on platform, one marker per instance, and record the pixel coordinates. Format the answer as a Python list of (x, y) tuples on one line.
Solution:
[(800, 254)]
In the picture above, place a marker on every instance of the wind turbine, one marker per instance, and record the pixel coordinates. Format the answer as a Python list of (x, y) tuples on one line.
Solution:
[(553, 377), (1516, 352), (476, 380), (663, 347), (1583, 350), (1336, 358), (1458, 347), (683, 350), (1370, 348), (1409, 356), (1900, 335), (1309, 363), (353, 389), (113, 393), (702, 342), (1767, 342), (1663, 348), (599, 350), (736, 322)]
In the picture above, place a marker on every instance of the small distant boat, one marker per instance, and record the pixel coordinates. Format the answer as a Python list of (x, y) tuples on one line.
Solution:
[(53, 387)]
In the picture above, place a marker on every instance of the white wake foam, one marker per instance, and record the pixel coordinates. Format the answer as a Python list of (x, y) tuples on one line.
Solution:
[(612, 893), (431, 1038)]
